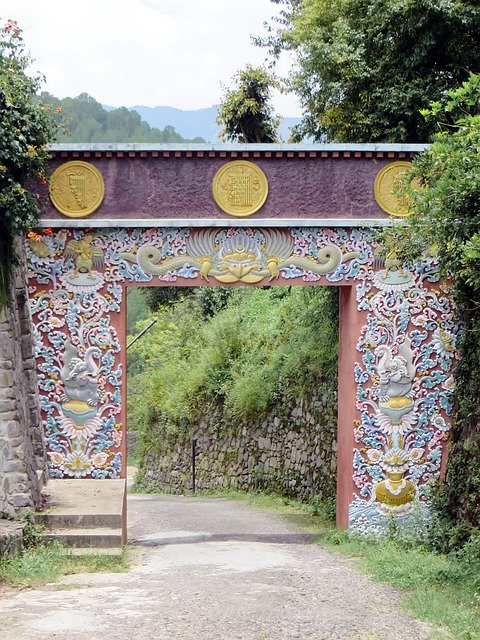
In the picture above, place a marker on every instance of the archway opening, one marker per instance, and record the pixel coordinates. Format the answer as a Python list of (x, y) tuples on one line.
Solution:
[(237, 384)]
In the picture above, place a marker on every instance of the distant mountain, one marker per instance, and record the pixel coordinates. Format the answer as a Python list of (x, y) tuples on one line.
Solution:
[(199, 122), (187, 123)]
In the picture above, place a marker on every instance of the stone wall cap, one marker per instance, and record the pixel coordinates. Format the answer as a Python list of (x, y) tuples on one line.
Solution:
[(133, 146)]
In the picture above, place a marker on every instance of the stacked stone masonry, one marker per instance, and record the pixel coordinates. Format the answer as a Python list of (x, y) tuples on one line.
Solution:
[(22, 454), (11, 537), (292, 450)]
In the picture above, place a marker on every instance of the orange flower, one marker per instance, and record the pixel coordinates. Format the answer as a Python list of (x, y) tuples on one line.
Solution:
[(41, 177), (58, 109), (34, 236), (48, 232)]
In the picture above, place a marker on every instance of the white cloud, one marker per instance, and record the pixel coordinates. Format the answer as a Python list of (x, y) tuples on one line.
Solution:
[(151, 52)]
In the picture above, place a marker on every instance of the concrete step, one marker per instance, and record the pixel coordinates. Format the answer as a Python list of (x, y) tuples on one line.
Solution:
[(97, 538), (78, 520), (85, 513)]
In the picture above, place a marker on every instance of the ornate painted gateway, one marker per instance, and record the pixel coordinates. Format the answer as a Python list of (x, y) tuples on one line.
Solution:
[(204, 215)]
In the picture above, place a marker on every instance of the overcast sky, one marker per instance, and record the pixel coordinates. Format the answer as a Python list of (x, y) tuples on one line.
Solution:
[(144, 52)]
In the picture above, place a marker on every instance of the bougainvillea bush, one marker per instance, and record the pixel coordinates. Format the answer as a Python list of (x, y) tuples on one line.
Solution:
[(26, 127)]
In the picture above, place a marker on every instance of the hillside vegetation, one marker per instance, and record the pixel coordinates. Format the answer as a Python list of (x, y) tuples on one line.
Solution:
[(238, 347), (83, 119)]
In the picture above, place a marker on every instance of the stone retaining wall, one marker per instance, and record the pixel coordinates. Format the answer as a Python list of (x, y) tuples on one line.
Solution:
[(22, 452), (291, 450), (11, 537)]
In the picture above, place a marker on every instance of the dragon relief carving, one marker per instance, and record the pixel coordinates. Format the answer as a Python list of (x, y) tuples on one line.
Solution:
[(238, 258)]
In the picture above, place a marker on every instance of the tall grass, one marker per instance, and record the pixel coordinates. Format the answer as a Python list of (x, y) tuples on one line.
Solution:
[(40, 564)]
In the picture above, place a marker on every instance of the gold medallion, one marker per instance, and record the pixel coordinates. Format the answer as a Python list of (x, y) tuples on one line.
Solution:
[(386, 183), (76, 189), (240, 188)]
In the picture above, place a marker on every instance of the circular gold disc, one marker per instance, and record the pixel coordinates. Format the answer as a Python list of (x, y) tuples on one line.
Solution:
[(240, 188), (76, 189), (386, 183)]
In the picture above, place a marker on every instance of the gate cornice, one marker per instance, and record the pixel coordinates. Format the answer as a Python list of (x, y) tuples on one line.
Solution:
[(129, 223), (313, 150)]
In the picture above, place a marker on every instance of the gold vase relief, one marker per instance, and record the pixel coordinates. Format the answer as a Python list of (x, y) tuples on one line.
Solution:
[(77, 189)]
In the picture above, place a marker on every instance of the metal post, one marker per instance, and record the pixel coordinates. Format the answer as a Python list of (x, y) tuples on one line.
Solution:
[(141, 333), (194, 453)]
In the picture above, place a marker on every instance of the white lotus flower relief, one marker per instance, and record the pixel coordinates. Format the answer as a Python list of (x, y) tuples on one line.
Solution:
[(76, 465), (374, 455), (56, 458), (443, 342), (74, 430), (82, 284), (99, 459)]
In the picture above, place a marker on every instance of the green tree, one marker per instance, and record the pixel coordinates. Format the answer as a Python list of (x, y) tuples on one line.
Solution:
[(244, 112), (210, 300), (26, 127), (157, 297), (446, 222), (365, 68)]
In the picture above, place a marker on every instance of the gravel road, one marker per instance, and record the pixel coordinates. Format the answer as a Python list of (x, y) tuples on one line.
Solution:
[(210, 569)]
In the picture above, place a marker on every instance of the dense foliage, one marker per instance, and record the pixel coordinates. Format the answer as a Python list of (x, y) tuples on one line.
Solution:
[(26, 127), (210, 300), (256, 344), (244, 112), (446, 221), (365, 68), (85, 120)]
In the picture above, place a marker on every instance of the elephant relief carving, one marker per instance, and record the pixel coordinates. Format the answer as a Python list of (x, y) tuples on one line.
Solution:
[(80, 375)]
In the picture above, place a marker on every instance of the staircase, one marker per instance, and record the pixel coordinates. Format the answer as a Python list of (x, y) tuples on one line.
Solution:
[(88, 516)]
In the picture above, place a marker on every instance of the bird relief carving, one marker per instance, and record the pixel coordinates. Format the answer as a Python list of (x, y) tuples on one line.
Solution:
[(86, 257), (396, 373)]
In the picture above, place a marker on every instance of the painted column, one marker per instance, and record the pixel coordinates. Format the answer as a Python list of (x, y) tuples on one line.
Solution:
[(351, 322)]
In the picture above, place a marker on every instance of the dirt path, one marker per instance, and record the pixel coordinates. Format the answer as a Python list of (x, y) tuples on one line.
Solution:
[(213, 570)]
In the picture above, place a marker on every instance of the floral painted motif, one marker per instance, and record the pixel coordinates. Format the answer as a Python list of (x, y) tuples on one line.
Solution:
[(406, 346)]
